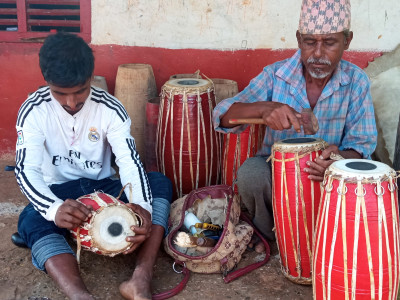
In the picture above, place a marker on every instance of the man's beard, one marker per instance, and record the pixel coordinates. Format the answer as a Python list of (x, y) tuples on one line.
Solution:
[(320, 74)]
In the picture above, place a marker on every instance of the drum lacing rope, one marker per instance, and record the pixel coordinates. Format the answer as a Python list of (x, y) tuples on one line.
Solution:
[(210, 107), (303, 206), (395, 218), (78, 246), (185, 109), (138, 217), (101, 203), (289, 218), (341, 193), (302, 150)]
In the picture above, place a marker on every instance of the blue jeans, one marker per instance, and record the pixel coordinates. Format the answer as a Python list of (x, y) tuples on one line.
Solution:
[(45, 239)]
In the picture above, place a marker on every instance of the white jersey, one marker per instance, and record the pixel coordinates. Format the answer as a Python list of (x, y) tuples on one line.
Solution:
[(55, 147)]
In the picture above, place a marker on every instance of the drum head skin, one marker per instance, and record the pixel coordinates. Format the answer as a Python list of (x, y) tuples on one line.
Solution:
[(110, 227), (188, 85), (188, 82), (359, 168)]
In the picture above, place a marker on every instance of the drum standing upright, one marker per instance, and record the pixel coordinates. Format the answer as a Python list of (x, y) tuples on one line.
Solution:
[(295, 204), (236, 148), (188, 148), (356, 252)]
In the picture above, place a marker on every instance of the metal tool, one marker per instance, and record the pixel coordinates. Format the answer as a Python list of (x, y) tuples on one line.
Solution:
[(207, 226)]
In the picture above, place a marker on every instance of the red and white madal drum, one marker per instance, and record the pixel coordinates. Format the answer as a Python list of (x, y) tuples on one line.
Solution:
[(106, 230), (295, 200), (356, 252)]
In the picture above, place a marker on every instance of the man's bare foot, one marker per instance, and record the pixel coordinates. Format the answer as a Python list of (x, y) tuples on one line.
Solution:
[(256, 244), (259, 247), (138, 287)]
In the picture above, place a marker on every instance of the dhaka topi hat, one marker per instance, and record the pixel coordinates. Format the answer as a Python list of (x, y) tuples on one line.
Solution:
[(324, 16)]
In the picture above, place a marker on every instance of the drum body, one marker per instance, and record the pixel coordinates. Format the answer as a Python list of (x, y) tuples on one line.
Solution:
[(188, 148), (295, 204), (105, 232), (236, 148), (356, 250)]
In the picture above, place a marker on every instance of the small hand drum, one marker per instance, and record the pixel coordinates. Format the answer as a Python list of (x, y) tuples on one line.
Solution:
[(105, 232)]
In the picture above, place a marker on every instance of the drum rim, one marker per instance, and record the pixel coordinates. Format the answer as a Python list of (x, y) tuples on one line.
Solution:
[(339, 169), (171, 85), (316, 145), (94, 247)]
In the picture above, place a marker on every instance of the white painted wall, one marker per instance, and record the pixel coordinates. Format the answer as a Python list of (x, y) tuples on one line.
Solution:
[(231, 24)]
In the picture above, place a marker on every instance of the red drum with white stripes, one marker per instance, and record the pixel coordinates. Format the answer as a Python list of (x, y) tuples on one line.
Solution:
[(295, 200), (356, 253), (188, 148)]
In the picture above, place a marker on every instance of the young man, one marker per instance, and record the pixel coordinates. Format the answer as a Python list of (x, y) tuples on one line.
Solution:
[(314, 77), (67, 132)]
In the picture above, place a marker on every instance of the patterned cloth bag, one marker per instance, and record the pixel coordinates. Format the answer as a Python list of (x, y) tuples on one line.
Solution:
[(216, 205)]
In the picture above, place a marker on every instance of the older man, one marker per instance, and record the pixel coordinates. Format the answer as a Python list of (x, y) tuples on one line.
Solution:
[(315, 77)]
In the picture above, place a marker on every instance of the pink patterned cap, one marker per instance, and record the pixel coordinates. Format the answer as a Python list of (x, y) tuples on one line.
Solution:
[(324, 16)]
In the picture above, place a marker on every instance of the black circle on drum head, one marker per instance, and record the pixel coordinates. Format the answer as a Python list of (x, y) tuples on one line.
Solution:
[(188, 82), (115, 229), (361, 166), (298, 140)]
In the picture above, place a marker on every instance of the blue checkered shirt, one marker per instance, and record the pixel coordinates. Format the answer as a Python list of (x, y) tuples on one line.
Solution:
[(344, 110)]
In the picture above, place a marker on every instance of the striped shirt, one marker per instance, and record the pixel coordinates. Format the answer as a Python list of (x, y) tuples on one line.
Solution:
[(344, 110), (54, 147)]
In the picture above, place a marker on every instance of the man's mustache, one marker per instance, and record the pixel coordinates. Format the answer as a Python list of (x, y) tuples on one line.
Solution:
[(319, 61)]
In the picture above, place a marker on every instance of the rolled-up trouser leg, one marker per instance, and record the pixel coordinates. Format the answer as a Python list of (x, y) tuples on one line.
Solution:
[(161, 190), (254, 183)]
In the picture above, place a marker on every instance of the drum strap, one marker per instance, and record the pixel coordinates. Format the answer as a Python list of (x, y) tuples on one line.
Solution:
[(130, 192), (237, 273)]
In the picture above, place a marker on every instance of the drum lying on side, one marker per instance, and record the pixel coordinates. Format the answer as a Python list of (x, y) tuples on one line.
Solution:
[(105, 232), (295, 204), (188, 148), (356, 254)]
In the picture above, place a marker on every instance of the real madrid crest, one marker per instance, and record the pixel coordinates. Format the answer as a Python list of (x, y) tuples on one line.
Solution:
[(93, 136)]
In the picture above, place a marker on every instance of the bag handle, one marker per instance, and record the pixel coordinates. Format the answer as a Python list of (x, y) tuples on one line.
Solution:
[(228, 278), (242, 271), (172, 292)]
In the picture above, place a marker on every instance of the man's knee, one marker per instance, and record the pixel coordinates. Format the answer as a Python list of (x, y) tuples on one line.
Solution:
[(253, 172), (33, 227), (160, 185)]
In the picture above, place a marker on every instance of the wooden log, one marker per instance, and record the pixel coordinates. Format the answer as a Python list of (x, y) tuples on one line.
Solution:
[(224, 88), (134, 85)]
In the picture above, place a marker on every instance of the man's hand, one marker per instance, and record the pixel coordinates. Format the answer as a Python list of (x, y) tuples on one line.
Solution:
[(317, 168), (275, 115), (141, 233), (71, 214), (280, 116)]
